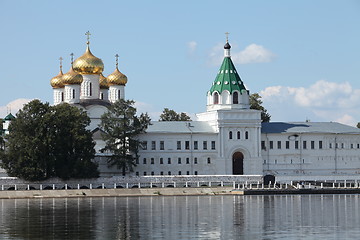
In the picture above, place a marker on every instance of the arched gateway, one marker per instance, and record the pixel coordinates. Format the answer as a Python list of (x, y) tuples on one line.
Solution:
[(238, 163)]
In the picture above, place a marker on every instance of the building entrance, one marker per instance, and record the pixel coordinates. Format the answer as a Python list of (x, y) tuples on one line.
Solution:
[(238, 163)]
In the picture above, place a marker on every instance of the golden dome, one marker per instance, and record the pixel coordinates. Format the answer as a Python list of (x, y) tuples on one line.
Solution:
[(88, 63), (72, 77), (57, 81), (103, 82), (117, 78)]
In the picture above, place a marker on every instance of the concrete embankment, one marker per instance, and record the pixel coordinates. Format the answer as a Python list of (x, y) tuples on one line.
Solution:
[(118, 192), (300, 191)]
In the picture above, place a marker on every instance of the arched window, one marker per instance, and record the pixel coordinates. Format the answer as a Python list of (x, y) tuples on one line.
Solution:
[(62, 96), (238, 135), (235, 98), (246, 135), (73, 93), (118, 95), (102, 96), (216, 98), (230, 135)]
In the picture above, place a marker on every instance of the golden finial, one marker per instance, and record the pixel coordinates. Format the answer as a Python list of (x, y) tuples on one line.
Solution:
[(88, 37), (227, 36), (60, 63), (72, 58), (117, 60)]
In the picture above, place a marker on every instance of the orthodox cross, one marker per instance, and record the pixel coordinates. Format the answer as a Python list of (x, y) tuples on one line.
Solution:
[(88, 37), (227, 36), (60, 63), (72, 58), (117, 60)]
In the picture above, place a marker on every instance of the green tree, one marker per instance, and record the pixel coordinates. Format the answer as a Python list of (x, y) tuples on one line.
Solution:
[(171, 115), (121, 127), (256, 103), (46, 141), (358, 125)]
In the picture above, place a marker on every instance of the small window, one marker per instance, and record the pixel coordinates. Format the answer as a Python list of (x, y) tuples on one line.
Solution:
[(161, 173), (246, 135), (238, 134), (144, 173), (296, 144), (169, 160), (208, 160), (187, 172), (161, 161), (102, 96), (271, 144), (152, 160), (73, 93), (196, 145), (351, 145), (144, 145), (187, 160), (213, 145), (195, 173), (144, 161), (205, 145), (187, 145), (152, 174), (358, 145), (216, 98), (320, 144), (179, 172), (312, 144), (137, 161), (230, 135), (279, 144), (178, 145), (179, 160), (90, 89), (137, 173), (304, 144), (287, 144), (336, 145), (169, 172), (153, 145), (162, 145), (342, 145), (195, 161), (330, 145), (263, 147), (235, 98)]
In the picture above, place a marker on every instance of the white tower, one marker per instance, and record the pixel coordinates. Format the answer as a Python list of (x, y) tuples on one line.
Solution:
[(72, 81), (117, 82), (58, 86)]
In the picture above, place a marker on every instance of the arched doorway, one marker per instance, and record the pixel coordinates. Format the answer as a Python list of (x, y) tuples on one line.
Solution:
[(238, 163)]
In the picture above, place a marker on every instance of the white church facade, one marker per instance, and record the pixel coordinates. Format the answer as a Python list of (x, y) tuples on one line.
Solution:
[(228, 139)]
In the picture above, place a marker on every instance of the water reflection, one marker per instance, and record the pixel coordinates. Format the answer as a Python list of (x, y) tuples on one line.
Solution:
[(200, 217)]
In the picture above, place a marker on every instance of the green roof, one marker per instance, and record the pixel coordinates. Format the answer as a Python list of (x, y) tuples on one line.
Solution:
[(227, 78), (9, 117)]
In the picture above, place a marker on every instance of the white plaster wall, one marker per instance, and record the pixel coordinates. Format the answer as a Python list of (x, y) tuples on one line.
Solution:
[(95, 86), (114, 93), (69, 93), (58, 92)]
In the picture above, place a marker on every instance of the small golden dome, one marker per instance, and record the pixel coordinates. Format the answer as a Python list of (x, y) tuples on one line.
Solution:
[(103, 82), (88, 63), (57, 81), (71, 77), (117, 78)]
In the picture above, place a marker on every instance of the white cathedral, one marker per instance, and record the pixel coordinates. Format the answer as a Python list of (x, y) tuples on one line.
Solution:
[(228, 139)]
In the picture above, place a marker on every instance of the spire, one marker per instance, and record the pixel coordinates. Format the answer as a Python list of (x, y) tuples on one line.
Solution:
[(227, 46)]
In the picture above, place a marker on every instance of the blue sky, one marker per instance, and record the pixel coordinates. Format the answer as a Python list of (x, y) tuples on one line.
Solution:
[(301, 56)]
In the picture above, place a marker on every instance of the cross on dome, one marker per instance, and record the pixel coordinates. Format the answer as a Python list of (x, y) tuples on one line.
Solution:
[(227, 36), (117, 60), (88, 37), (60, 63)]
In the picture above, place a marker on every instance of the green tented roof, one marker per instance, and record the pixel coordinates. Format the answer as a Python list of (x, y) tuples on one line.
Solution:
[(9, 117), (227, 78)]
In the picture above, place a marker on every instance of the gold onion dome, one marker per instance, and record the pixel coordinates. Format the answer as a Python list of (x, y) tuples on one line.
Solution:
[(71, 77), (57, 81), (103, 82), (88, 63), (117, 77)]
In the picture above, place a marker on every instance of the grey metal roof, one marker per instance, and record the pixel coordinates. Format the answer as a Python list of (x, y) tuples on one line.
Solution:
[(308, 127), (180, 127)]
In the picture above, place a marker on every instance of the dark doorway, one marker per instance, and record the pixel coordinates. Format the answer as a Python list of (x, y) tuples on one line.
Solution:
[(238, 163)]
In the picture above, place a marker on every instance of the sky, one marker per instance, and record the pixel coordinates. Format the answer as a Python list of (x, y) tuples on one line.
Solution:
[(302, 57)]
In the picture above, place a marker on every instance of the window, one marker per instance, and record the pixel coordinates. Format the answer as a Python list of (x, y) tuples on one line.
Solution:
[(162, 145), (101, 95), (263, 147), (153, 145), (187, 160), (144, 161), (312, 144), (320, 145), (230, 135), (246, 135), (73, 93), (179, 160), (195, 173), (205, 145), (213, 145), (144, 145), (62, 96), (187, 145), (208, 160), (296, 144), (161, 161), (152, 174), (152, 161), (119, 95), (279, 144), (330, 145), (187, 172), (161, 173), (169, 172), (137, 173), (178, 145), (196, 145), (238, 134), (358, 145), (169, 160), (342, 145), (144, 173), (287, 144), (195, 161), (90, 89), (271, 144), (351, 145), (235, 98), (216, 98), (179, 172), (304, 144), (336, 145), (137, 161)]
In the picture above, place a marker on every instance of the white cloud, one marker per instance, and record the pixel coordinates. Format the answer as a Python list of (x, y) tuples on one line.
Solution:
[(13, 106), (192, 46), (251, 54), (326, 101)]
